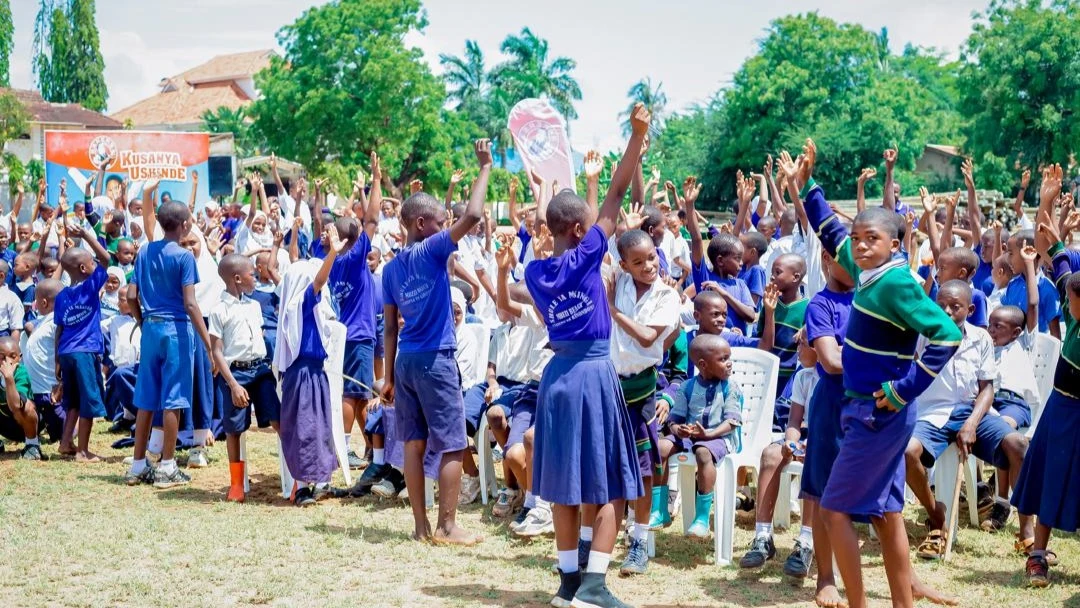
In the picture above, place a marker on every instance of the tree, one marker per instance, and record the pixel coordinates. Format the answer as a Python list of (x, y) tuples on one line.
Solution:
[(237, 122), (529, 73), (1021, 81), (7, 42), (348, 85), (67, 58), (653, 98), (465, 75), (14, 120)]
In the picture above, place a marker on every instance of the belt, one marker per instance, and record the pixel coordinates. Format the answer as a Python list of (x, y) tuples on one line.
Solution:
[(163, 319), (246, 365)]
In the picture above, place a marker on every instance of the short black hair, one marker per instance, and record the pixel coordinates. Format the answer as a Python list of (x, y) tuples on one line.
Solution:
[(564, 211), (794, 259), (347, 228), (756, 241), (956, 287), (704, 343), (1073, 284), (963, 256), (633, 238), (707, 297), (232, 264), (419, 205), (72, 258), (172, 215), (1024, 237), (651, 217), (882, 218), (721, 245), (48, 288), (1015, 314)]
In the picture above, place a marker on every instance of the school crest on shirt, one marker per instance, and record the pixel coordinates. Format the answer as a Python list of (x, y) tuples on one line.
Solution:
[(568, 307), (77, 314), (341, 291), (540, 138), (413, 290)]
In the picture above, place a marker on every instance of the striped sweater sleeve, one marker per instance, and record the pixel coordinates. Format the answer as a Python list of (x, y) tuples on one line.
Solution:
[(911, 307), (827, 226), (1061, 261)]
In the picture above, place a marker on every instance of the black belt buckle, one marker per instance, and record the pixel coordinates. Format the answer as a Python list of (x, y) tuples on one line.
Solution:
[(247, 365)]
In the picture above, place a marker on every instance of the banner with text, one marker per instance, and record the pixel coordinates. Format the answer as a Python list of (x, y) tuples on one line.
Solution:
[(178, 160), (540, 139)]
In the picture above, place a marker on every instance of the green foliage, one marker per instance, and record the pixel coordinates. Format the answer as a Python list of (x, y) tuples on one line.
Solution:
[(348, 85), (653, 98), (16, 173), (237, 122), (530, 73), (67, 56), (14, 120), (35, 172), (1021, 81), (7, 42)]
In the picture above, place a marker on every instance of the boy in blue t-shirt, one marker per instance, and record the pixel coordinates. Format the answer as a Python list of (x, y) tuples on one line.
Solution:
[(421, 375), (726, 253), (162, 298), (79, 342), (1016, 291), (753, 274)]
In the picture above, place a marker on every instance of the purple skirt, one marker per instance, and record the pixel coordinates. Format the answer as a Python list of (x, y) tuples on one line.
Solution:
[(585, 451), (717, 447), (1049, 482), (307, 436), (824, 435)]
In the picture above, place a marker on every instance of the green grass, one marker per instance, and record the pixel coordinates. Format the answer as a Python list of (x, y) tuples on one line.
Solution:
[(74, 535)]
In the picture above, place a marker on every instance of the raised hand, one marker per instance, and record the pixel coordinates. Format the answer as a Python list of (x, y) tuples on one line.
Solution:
[(771, 297), (273, 161), (543, 244), (1051, 184), (1048, 229), (505, 256), (656, 175), (457, 176), (513, 187), (594, 164), (640, 119), (867, 174), (890, 158), (929, 203), (332, 237), (483, 153), (634, 219), (952, 201), (967, 169), (1028, 254), (416, 186), (1025, 179), (691, 190), (809, 159), (787, 166), (1071, 223), (376, 169)]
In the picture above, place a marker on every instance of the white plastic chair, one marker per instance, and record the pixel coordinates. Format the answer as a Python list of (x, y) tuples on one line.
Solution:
[(945, 482), (789, 475), (1044, 359), (756, 372)]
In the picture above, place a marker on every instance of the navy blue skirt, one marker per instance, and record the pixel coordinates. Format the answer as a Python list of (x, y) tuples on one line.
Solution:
[(306, 426), (823, 434), (585, 451), (1049, 482)]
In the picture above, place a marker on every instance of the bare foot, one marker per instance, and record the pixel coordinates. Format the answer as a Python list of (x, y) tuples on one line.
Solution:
[(87, 457), (828, 596), (455, 536), (920, 591), (67, 449)]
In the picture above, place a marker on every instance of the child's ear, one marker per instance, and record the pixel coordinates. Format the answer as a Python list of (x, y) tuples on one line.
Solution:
[(895, 245), (971, 309), (622, 264)]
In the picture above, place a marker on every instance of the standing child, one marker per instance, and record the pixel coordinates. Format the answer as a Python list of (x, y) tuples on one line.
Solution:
[(1016, 290), (11, 307), (421, 376), (584, 451), (788, 271), (645, 311), (890, 311), (162, 298), (80, 344), (239, 352)]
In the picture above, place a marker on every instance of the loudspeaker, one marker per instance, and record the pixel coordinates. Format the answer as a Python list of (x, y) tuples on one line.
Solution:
[(221, 175)]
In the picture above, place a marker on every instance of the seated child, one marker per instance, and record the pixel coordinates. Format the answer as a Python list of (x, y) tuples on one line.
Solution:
[(244, 375), (960, 263), (999, 279), (468, 349), (22, 281), (122, 336), (1016, 290), (788, 271), (19, 420), (725, 252), (754, 245), (110, 295), (705, 420)]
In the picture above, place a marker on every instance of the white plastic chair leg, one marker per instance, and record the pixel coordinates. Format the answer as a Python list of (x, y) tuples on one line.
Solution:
[(650, 544), (243, 459), (970, 470), (287, 481), (687, 488), (724, 507), (790, 477), (485, 462)]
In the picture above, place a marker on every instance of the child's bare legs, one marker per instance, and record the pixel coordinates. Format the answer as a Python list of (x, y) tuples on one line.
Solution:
[(84, 454), (565, 520), (665, 448), (170, 427), (1042, 537), (498, 425), (919, 482), (772, 462), (605, 527), (67, 438), (527, 479), (350, 408), (232, 446), (894, 550), (845, 546), (446, 529), (826, 595), (468, 463), (643, 505), (27, 417), (143, 421), (514, 466), (706, 470), (414, 484)]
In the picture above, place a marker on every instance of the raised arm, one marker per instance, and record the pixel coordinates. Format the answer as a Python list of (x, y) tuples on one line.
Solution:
[(474, 211), (543, 197), (594, 164), (775, 195), (195, 191), (336, 246), (507, 261), (889, 201), (294, 239), (691, 190), (929, 205), (1048, 193), (608, 215), (973, 212), (256, 183), (950, 221), (512, 207), (455, 178), (149, 212), (374, 203), (1031, 280), (277, 177), (16, 207), (637, 186), (860, 188), (1018, 204)]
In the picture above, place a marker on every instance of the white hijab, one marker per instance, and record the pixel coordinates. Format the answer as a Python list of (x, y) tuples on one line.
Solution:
[(210, 286), (296, 282), (254, 241)]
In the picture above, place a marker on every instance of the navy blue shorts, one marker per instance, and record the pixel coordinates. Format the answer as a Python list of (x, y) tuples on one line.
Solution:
[(988, 436), (51, 416), (427, 400), (261, 386), (475, 407), (359, 365), (379, 327), (1008, 403), (83, 387), (167, 365)]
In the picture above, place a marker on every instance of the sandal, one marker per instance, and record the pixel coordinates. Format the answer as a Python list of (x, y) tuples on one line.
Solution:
[(1023, 546), (933, 547)]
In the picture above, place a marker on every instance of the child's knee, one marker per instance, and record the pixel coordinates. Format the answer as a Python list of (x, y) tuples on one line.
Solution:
[(527, 438), (516, 453), (913, 453), (496, 418), (1015, 446), (772, 457), (665, 448), (704, 458)]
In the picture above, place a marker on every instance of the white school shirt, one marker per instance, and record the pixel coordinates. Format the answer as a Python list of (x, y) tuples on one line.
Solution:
[(238, 323), (287, 203), (39, 355), (675, 248), (11, 310), (958, 381), (1016, 372), (792, 243), (802, 388), (659, 306), (53, 240), (519, 352), (123, 343), (467, 349)]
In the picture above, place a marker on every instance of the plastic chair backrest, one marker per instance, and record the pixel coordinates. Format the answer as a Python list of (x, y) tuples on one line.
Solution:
[(483, 337), (1044, 359), (756, 371)]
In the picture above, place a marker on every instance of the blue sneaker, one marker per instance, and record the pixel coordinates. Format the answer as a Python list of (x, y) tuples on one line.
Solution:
[(637, 559)]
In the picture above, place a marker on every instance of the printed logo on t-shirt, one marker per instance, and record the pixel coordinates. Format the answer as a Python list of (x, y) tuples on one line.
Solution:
[(76, 314), (568, 307), (341, 291), (413, 290)]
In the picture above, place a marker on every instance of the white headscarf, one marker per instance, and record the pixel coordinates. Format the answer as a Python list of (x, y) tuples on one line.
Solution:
[(110, 302), (254, 241), (210, 286), (296, 282)]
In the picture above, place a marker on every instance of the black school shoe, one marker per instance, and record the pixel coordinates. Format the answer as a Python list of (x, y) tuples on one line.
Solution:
[(568, 586), (32, 452), (761, 550), (798, 563), (305, 496), (593, 593), (372, 475)]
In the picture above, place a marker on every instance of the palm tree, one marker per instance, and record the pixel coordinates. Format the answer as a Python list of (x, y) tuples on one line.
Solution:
[(654, 100), (237, 122), (465, 75), (530, 73)]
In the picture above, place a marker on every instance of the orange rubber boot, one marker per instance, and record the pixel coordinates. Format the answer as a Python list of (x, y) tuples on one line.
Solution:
[(236, 479)]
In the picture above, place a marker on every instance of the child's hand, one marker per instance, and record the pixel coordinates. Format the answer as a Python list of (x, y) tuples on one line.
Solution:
[(151, 185), (662, 411), (640, 119), (929, 203), (965, 439), (336, 242), (297, 223), (492, 393), (968, 171), (634, 219), (1071, 223), (691, 190), (594, 164), (7, 368), (997, 226), (697, 431), (387, 394), (890, 159), (416, 186), (376, 169), (809, 159), (867, 174), (681, 430), (882, 402), (57, 392), (787, 166), (513, 186), (952, 201), (1051, 184), (543, 244), (279, 237), (771, 297), (1048, 229), (655, 175), (456, 177), (483, 153), (505, 256), (1028, 253), (239, 396)]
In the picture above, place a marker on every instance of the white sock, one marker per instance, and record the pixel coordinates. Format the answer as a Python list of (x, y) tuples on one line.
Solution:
[(568, 561), (639, 531), (530, 500), (762, 529), (32, 441), (586, 533), (167, 466), (138, 466), (806, 536), (348, 441), (378, 456), (598, 562), (157, 441), (199, 437)]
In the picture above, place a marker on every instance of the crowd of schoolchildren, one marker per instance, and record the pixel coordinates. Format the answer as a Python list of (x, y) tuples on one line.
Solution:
[(612, 336)]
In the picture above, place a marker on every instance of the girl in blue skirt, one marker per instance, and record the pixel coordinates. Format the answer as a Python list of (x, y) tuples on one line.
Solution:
[(1049, 481), (585, 453)]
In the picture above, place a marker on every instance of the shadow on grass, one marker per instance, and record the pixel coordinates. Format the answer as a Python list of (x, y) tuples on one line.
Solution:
[(1015, 577), (375, 535), (490, 596)]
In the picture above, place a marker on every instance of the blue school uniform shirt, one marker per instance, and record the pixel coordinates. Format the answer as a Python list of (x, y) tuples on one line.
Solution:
[(26, 291), (979, 316), (981, 278), (755, 279), (78, 312), (1049, 305), (162, 270), (229, 226), (416, 282), (311, 346), (268, 306), (351, 286), (315, 250), (524, 236), (569, 291), (303, 243), (827, 315), (734, 286)]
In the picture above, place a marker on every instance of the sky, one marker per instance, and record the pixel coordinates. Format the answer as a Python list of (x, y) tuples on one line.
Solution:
[(692, 47)]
